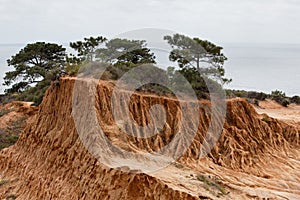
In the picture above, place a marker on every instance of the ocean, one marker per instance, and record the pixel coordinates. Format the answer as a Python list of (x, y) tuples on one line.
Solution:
[(257, 67), (264, 67), (6, 51)]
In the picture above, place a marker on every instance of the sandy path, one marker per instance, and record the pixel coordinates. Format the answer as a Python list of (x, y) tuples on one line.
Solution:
[(290, 114)]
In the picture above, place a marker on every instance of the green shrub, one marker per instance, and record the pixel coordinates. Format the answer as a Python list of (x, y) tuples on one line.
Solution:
[(247, 94), (10, 135), (5, 111), (2, 182), (295, 99), (256, 102), (7, 98), (212, 182), (277, 93), (12, 139), (257, 95), (35, 94), (241, 93), (254, 97), (265, 119), (72, 70), (285, 102), (280, 98), (11, 197)]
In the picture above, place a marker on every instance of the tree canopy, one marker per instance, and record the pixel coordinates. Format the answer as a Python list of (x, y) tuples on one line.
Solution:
[(86, 48), (123, 51), (194, 53), (33, 64)]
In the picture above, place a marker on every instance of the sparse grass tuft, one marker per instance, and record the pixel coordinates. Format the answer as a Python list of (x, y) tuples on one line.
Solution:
[(265, 119), (11, 197), (212, 183), (2, 182)]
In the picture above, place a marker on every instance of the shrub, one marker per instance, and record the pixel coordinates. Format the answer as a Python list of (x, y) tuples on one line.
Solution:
[(229, 93), (2, 182), (265, 119), (5, 111), (212, 182), (241, 93), (277, 93), (11, 197), (72, 70), (7, 98), (285, 102), (280, 98), (10, 135), (295, 99), (35, 94), (257, 95)]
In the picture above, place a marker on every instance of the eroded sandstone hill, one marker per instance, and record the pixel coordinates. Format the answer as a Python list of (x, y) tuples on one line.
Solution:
[(255, 157)]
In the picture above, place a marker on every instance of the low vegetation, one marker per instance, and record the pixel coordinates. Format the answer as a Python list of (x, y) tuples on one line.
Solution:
[(253, 97), (11, 197), (10, 134), (3, 181), (212, 184), (4, 111)]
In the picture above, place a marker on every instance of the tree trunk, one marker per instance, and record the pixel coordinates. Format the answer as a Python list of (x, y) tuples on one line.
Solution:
[(198, 62)]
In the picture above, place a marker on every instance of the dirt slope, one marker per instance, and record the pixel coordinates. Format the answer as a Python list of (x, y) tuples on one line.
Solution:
[(290, 114), (16, 109), (13, 119), (256, 156)]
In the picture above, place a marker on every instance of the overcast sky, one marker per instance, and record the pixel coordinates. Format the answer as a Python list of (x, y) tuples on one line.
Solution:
[(221, 21)]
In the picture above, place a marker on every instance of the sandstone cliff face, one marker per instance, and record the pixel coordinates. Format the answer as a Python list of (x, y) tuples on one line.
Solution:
[(50, 162)]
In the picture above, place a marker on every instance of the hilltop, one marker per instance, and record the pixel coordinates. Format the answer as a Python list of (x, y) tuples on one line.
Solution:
[(256, 156)]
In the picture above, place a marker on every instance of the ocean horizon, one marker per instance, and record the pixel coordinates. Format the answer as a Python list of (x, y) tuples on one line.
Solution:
[(252, 67)]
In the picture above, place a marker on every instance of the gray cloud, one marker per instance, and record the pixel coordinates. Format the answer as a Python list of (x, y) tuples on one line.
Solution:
[(219, 21)]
